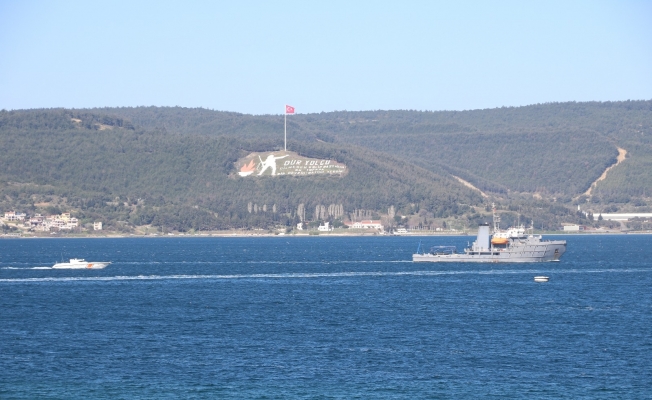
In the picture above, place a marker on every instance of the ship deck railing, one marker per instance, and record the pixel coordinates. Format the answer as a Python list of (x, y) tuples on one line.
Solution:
[(443, 250)]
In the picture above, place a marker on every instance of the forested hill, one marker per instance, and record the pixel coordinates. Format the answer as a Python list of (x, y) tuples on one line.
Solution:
[(104, 167), (175, 167), (555, 150)]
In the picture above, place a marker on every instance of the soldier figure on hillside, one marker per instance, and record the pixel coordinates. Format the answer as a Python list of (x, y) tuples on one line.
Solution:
[(270, 162)]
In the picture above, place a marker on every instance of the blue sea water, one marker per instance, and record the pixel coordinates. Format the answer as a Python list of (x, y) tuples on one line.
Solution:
[(322, 317)]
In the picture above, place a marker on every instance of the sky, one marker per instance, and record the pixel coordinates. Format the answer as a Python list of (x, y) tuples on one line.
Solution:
[(255, 57)]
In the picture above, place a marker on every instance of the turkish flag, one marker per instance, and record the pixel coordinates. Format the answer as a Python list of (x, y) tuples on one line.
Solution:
[(289, 109)]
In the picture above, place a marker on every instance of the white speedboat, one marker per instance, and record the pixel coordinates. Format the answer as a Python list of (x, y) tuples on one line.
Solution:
[(80, 263)]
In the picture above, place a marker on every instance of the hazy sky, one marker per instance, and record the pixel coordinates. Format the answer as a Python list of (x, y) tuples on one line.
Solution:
[(254, 57)]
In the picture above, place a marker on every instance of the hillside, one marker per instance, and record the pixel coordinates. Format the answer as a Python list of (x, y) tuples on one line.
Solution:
[(555, 150), (110, 169), (175, 168)]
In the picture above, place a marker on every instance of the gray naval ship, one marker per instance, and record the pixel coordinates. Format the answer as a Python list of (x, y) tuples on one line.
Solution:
[(511, 245)]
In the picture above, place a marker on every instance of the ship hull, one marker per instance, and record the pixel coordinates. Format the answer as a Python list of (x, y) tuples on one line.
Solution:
[(85, 265), (528, 253)]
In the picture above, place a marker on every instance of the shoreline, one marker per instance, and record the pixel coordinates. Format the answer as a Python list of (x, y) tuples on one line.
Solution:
[(240, 235)]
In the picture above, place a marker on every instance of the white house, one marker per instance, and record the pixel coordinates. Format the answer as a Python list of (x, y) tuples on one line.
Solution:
[(325, 228), (36, 220), (366, 224), (14, 216)]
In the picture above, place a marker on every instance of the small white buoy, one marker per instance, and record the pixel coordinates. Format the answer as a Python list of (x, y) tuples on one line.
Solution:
[(541, 279)]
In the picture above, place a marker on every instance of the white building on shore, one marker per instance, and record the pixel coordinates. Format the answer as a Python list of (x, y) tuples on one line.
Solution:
[(572, 227), (58, 222), (622, 216), (325, 228), (365, 224), (12, 216)]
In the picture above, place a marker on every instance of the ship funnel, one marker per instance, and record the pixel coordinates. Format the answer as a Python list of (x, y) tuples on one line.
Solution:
[(482, 242)]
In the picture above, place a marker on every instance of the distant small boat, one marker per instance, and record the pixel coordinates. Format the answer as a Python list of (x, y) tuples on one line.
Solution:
[(80, 263), (541, 279)]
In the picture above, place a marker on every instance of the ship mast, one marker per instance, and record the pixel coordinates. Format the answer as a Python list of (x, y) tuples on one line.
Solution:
[(496, 218)]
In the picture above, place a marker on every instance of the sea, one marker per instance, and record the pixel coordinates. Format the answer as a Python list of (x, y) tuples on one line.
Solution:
[(322, 317)]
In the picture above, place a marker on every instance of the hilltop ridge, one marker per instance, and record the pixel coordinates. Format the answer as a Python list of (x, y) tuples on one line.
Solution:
[(555, 149)]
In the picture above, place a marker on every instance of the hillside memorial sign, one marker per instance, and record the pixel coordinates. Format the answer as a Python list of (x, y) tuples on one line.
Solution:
[(278, 163)]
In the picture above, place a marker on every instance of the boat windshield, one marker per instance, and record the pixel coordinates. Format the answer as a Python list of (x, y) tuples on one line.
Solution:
[(442, 250)]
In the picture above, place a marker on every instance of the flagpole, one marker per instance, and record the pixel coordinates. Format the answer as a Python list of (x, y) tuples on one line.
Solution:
[(285, 142)]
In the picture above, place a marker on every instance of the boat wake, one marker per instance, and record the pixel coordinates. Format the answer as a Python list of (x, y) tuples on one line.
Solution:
[(313, 275), (256, 262), (26, 268)]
